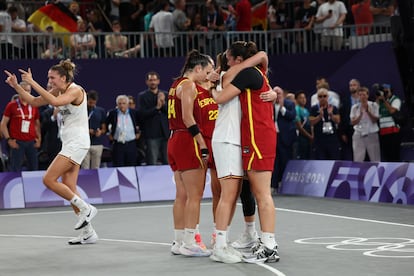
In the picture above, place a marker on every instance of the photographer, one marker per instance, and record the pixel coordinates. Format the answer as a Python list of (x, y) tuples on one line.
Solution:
[(389, 130)]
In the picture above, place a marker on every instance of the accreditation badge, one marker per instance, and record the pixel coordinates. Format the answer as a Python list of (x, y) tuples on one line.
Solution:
[(25, 126)]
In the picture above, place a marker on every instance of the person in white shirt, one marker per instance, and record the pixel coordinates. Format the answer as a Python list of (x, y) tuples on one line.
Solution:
[(18, 26), (162, 23), (364, 117), (332, 15), (333, 97), (6, 43)]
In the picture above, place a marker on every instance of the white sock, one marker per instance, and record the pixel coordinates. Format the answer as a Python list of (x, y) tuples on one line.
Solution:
[(197, 229), (78, 202), (250, 228), (178, 235), (228, 234), (221, 239), (189, 236), (268, 239)]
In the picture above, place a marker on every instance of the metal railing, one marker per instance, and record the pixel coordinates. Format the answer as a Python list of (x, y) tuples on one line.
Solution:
[(286, 41)]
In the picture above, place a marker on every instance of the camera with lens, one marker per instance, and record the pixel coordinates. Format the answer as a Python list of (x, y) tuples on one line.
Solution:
[(378, 89)]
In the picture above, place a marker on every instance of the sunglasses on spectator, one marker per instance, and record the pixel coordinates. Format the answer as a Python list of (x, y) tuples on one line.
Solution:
[(322, 96)]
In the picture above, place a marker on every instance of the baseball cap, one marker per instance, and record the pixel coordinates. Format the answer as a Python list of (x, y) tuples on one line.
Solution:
[(386, 85)]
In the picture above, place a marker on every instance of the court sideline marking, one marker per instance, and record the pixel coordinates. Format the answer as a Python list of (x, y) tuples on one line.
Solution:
[(209, 204)]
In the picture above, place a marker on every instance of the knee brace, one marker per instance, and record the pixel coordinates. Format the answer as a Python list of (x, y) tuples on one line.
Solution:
[(247, 199)]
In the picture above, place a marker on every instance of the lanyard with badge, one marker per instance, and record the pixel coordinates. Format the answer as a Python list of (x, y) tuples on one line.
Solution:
[(327, 127), (25, 123), (363, 126), (123, 126)]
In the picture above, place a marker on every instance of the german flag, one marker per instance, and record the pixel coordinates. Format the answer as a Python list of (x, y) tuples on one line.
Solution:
[(56, 15), (259, 17)]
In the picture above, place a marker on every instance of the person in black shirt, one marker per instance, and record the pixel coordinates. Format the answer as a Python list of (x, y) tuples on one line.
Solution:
[(152, 109)]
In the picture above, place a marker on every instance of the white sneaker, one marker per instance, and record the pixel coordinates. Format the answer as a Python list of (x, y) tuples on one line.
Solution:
[(234, 251), (85, 216), (85, 237), (263, 255), (175, 248), (224, 255), (194, 250), (245, 241)]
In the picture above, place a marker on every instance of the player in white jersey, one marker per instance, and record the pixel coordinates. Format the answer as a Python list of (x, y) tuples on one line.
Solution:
[(71, 100), (74, 130)]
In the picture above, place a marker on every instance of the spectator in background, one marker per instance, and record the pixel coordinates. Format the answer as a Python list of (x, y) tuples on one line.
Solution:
[(382, 10), (317, 26), (305, 131), (333, 97), (279, 19), (213, 21), (162, 23), (115, 43), (97, 26), (20, 126), (135, 20), (153, 110), (332, 15), (113, 10), (33, 41), (304, 19), (362, 16), (346, 128), (97, 130), (52, 46), (95, 21), (82, 43), (6, 42), (285, 115), (122, 124), (324, 118), (198, 41), (129, 11), (390, 138), (18, 26), (150, 8), (181, 24), (364, 117), (229, 17), (132, 103), (74, 8), (243, 14)]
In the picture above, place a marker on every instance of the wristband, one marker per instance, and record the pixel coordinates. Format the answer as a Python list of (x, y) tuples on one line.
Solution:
[(9, 139), (204, 153), (194, 130)]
